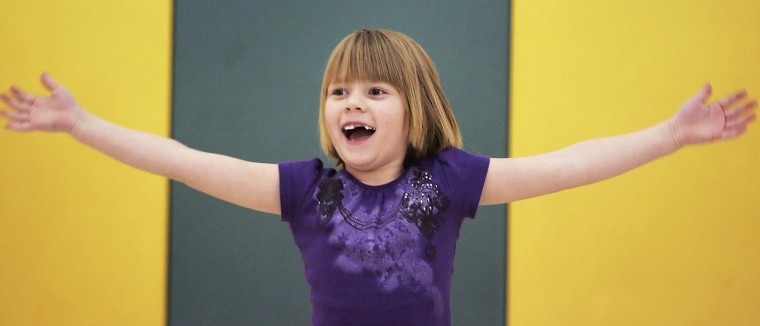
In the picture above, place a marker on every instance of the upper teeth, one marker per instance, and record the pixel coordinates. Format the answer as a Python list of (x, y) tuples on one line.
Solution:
[(353, 126)]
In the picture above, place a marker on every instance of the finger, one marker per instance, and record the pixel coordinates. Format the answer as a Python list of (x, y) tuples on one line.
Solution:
[(15, 115), (741, 120), (727, 101), (14, 103), (22, 95), (49, 83), (8, 100), (732, 133), (741, 110), (737, 130), (19, 126)]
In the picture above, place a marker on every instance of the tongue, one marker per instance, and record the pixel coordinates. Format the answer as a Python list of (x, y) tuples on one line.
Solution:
[(360, 134)]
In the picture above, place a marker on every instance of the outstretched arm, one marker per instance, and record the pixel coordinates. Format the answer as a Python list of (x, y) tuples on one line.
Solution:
[(248, 184), (511, 179)]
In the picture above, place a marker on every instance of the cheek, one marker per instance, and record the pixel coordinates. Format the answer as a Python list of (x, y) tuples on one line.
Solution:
[(329, 120), (331, 114), (397, 123)]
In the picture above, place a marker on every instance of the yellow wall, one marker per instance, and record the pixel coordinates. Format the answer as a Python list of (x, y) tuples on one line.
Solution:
[(83, 238), (674, 243)]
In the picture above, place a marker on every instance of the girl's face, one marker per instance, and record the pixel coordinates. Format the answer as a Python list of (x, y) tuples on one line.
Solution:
[(366, 122)]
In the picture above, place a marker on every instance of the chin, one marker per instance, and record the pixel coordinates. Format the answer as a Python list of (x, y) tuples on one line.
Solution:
[(357, 162)]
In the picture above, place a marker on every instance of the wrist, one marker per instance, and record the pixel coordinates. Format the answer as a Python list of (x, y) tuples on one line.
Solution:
[(78, 122), (675, 134)]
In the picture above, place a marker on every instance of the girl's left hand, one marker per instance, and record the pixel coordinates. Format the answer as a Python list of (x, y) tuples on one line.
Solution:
[(700, 122)]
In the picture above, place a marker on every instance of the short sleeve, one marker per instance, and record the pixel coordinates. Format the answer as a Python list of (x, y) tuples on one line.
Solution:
[(465, 175), (297, 181)]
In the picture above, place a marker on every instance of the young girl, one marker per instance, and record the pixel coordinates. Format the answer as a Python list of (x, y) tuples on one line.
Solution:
[(377, 235)]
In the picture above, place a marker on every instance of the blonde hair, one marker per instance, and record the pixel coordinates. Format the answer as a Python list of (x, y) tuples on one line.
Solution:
[(394, 58)]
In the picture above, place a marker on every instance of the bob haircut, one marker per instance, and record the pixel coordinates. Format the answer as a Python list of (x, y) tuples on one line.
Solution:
[(394, 58)]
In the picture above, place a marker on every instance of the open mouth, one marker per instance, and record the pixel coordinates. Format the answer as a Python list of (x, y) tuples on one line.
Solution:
[(356, 132)]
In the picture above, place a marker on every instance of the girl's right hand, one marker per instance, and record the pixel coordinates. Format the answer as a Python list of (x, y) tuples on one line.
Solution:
[(28, 112)]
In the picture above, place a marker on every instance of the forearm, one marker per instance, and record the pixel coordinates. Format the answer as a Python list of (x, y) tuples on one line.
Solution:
[(599, 159), (511, 179), (145, 151), (248, 184)]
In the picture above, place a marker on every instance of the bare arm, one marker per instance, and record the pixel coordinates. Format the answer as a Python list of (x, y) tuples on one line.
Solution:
[(511, 179), (248, 184)]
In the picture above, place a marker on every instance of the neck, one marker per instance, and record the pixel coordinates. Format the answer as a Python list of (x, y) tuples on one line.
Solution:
[(377, 176)]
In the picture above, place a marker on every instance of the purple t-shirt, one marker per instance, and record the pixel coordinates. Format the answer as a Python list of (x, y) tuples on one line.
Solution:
[(381, 255)]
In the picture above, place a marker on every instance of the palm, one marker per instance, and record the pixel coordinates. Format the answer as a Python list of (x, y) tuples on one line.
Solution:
[(53, 113)]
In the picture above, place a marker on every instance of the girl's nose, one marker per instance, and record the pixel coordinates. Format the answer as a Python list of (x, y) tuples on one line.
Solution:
[(355, 103)]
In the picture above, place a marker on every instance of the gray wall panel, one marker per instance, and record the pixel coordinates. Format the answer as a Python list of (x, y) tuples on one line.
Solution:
[(246, 83)]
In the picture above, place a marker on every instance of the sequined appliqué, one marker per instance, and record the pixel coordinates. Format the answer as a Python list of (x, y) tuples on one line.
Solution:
[(421, 204), (422, 207)]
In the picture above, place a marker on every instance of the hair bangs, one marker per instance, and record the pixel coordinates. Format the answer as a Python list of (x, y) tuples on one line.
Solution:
[(366, 55)]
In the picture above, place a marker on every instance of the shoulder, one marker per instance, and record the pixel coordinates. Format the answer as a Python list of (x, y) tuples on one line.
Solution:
[(456, 159), (303, 166), (298, 180), (303, 172), (461, 174)]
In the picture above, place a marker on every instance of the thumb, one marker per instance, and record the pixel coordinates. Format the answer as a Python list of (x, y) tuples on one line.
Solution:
[(49, 83), (703, 93)]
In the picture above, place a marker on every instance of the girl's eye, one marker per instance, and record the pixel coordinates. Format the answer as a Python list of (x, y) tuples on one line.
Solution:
[(339, 92), (376, 91)]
